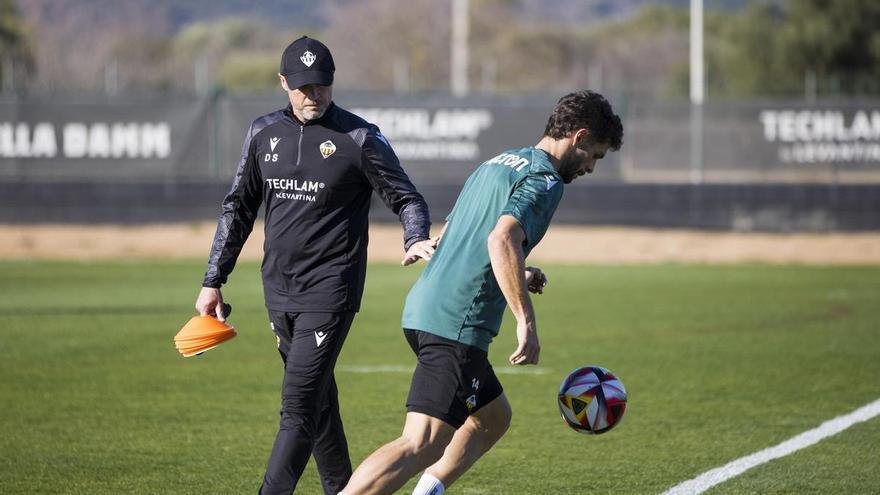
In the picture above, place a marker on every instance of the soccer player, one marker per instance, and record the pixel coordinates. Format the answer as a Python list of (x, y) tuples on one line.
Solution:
[(456, 408), (313, 166)]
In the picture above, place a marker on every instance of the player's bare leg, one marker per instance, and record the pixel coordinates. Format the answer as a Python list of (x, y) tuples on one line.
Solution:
[(386, 470), (475, 437)]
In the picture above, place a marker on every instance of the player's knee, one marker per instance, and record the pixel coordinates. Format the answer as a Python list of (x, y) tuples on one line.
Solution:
[(428, 448), (494, 420), (502, 419), (297, 416), (505, 420)]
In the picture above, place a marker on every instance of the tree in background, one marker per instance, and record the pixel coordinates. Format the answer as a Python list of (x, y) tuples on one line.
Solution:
[(16, 57), (228, 53), (511, 54), (743, 54), (787, 48), (645, 54), (404, 46), (838, 42), (97, 45), (399, 45), (776, 50)]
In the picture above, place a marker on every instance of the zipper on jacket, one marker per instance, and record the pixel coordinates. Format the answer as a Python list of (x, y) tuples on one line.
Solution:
[(299, 146)]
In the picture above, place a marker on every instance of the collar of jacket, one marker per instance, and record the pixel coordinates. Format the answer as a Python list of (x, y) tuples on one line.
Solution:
[(292, 116)]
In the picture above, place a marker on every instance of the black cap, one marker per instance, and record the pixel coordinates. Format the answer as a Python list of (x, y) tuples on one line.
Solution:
[(307, 61)]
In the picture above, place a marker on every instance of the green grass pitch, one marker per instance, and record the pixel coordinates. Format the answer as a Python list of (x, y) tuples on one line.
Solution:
[(719, 362)]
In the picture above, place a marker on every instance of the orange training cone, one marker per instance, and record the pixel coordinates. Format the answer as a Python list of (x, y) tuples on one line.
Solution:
[(202, 333)]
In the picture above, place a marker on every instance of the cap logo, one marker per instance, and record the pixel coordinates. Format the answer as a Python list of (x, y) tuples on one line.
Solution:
[(308, 58), (327, 148)]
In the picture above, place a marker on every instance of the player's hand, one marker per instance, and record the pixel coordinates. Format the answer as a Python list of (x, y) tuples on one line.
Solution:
[(535, 280), (210, 303), (420, 250), (528, 349)]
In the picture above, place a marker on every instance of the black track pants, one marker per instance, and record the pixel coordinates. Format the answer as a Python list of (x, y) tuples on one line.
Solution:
[(309, 344)]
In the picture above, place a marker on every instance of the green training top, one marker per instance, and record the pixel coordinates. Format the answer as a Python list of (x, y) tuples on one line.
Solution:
[(457, 296)]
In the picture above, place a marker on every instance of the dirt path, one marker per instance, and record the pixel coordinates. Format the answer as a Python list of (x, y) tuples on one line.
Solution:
[(563, 244)]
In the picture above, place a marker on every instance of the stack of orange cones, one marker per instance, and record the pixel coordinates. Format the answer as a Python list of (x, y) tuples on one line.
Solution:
[(202, 333)]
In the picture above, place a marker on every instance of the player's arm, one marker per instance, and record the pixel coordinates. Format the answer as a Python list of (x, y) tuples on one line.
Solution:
[(239, 212), (508, 264)]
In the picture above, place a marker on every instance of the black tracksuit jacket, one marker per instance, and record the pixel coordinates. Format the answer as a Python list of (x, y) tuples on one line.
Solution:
[(316, 180)]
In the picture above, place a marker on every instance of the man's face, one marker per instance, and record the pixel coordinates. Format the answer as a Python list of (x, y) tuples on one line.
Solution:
[(309, 102), (581, 159)]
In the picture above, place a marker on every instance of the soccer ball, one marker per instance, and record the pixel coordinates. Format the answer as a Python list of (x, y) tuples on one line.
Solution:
[(592, 400)]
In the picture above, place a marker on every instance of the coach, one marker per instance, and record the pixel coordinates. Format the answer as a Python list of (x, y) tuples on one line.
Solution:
[(314, 167)]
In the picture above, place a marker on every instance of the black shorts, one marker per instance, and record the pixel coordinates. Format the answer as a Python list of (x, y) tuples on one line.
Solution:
[(451, 380)]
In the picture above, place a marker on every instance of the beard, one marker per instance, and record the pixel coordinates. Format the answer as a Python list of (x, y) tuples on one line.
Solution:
[(569, 166), (314, 113)]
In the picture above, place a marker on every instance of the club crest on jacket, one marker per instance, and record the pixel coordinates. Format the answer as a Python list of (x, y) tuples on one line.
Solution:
[(328, 148)]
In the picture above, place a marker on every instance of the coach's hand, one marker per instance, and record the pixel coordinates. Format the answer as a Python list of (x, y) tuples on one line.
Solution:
[(535, 280), (210, 302), (528, 349), (420, 250)]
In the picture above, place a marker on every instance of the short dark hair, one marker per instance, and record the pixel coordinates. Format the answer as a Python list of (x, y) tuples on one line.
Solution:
[(586, 110)]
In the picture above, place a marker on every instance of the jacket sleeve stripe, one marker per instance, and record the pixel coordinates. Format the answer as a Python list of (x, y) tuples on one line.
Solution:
[(239, 212), (382, 169)]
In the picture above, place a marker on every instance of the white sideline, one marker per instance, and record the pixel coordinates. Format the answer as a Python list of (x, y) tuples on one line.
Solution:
[(829, 428)]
